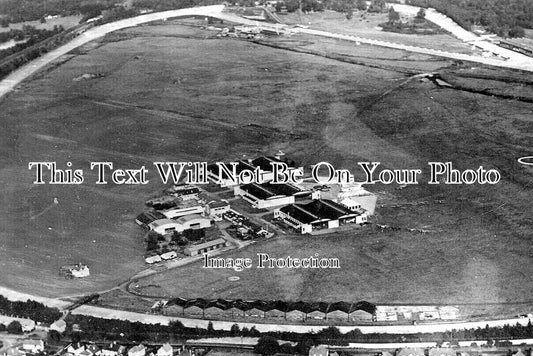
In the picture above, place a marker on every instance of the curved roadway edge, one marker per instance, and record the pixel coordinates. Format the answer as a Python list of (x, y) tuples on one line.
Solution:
[(466, 36), (10, 82), (226, 325), (516, 61), (106, 313)]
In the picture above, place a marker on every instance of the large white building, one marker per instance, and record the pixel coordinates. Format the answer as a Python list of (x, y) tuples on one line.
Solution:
[(194, 221), (165, 226), (183, 210), (168, 226), (199, 249), (268, 195)]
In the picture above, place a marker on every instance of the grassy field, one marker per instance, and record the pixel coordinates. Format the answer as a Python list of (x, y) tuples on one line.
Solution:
[(66, 22), (170, 92), (367, 25)]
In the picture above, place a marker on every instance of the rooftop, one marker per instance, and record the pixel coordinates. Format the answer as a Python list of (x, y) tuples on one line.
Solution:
[(186, 218), (162, 222)]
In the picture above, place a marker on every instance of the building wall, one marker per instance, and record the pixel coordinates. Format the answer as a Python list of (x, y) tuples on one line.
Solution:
[(214, 312), (333, 224), (263, 203), (218, 210), (254, 313), (275, 314), (338, 315), (361, 315), (270, 203), (295, 315), (176, 213), (316, 315), (361, 219), (196, 224), (193, 250), (166, 228)]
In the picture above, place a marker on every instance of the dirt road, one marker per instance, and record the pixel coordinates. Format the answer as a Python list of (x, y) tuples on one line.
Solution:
[(515, 61)]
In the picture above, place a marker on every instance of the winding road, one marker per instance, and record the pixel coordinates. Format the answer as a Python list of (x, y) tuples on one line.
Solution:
[(515, 61)]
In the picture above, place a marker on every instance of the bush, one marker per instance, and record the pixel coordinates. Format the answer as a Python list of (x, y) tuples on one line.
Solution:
[(267, 345), (14, 327)]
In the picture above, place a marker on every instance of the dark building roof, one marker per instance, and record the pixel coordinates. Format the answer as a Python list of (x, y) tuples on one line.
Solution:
[(317, 211), (299, 213), (150, 216), (327, 209), (241, 166), (258, 191), (281, 305), (264, 162), (218, 203), (267, 190)]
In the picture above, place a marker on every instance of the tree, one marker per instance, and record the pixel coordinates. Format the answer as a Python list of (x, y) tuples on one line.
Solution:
[(361, 5), (54, 337), (421, 14), (517, 31), (14, 327), (377, 6), (266, 345), (349, 14), (152, 241), (235, 330), (394, 16)]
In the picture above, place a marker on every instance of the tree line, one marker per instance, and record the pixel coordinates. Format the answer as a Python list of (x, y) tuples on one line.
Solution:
[(506, 18), (29, 309), (99, 329)]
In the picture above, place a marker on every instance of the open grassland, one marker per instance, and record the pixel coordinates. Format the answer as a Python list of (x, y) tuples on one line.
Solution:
[(170, 92), (366, 25)]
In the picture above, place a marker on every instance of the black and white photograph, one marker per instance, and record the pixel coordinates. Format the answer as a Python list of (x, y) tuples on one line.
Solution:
[(266, 177)]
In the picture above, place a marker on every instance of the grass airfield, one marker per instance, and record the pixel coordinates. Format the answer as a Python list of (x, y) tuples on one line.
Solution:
[(173, 92)]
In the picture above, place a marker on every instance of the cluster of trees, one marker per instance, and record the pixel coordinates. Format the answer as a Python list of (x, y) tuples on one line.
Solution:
[(503, 17), (33, 35), (30, 10), (158, 242), (99, 329), (13, 34), (160, 5), (307, 5), (12, 328), (104, 329), (29, 309), (37, 44), (269, 345), (345, 6)]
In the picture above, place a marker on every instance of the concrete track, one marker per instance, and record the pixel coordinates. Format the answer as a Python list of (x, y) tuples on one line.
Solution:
[(10, 82), (516, 60)]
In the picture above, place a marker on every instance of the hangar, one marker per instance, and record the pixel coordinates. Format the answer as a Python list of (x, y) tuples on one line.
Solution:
[(194, 221), (318, 214), (269, 195)]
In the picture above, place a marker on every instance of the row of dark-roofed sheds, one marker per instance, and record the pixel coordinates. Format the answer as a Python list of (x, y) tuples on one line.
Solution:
[(277, 309)]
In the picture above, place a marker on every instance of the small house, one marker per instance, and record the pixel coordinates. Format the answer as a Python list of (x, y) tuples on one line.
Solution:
[(165, 350), (59, 325), (139, 350), (33, 346)]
